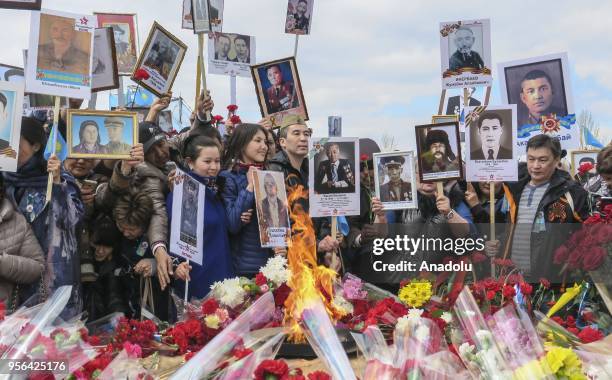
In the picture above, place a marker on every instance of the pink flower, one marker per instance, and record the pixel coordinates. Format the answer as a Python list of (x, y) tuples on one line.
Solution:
[(134, 351), (264, 288), (222, 314)]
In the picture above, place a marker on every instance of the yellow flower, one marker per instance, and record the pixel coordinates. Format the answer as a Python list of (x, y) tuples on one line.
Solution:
[(212, 321), (416, 293), (565, 363)]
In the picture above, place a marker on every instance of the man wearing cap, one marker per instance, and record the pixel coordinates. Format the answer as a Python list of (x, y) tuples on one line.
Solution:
[(89, 139), (396, 190), (334, 175), (114, 127), (439, 156)]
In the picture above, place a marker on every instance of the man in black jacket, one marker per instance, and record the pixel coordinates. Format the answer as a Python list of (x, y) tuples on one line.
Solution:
[(546, 206)]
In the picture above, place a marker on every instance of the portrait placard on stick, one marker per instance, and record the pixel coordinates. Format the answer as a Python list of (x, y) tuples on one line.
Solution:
[(491, 151), (541, 89), (395, 180), (334, 178), (299, 16), (272, 209), (101, 134), (161, 58), (125, 31), (21, 4), (465, 50), (11, 104), (334, 126), (60, 54), (278, 88), (438, 152), (187, 227), (231, 54), (105, 75)]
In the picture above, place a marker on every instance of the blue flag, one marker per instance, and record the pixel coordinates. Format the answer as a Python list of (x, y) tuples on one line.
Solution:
[(591, 140), (61, 150), (144, 98)]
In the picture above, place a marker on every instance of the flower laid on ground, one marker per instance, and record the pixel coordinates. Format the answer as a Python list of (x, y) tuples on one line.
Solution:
[(353, 289), (564, 363), (229, 292), (276, 270), (416, 293)]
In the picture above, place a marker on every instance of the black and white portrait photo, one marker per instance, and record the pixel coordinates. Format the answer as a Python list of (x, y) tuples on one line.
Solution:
[(454, 103), (104, 74), (189, 213), (333, 178), (465, 48), (334, 126), (299, 16), (394, 179), (491, 143), (231, 54), (161, 58), (439, 151), (187, 218)]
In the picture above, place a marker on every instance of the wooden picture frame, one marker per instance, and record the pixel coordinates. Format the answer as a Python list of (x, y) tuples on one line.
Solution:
[(111, 39), (144, 54), (76, 119), (32, 5), (441, 119), (131, 19), (421, 132)]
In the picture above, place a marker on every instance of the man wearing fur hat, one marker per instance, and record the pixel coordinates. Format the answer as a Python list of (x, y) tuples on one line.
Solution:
[(439, 156)]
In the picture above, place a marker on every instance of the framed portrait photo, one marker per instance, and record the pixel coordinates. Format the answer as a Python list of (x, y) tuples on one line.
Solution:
[(104, 73), (440, 119), (334, 126), (541, 89), (206, 16), (438, 152), (186, 20), (68, 74), (465, 51), (278, 88), (11, 110), (101, 134), (395, 180), (33, 5), (161, 58), (579, 157), (231, 54), (125, 31), (164, 120), (334, 178), (299, 16), (491, 150), (272, 208)]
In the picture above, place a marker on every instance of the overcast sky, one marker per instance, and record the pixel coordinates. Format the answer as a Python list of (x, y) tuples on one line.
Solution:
[(375, 63)]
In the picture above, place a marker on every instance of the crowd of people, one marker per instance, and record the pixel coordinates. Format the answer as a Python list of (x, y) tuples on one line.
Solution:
[(106, 227)]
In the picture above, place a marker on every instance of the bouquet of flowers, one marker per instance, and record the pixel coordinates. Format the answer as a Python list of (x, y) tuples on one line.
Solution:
[(379, 357)]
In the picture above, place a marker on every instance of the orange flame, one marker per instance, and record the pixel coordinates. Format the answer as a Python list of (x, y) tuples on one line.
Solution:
[(308, 281)]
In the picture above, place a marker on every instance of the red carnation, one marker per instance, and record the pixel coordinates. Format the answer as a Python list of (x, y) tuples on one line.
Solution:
[(573, 330), (141, 74), (508, 291), (319, 375), (526, 289), (585, 167), (268, 368), (364, 157), (235, 119), (210, 306), (545, 283), (594, 259), (260, 279), (240, 353), (281, 294), (589, 334), (478, 257), (232, 108), (217, 118), (561, 254), (490, 295)]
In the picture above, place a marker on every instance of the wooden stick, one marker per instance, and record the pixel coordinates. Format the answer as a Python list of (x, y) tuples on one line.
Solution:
[(487, 96), (197, 81), (54, 130), (466, 99), (202, 67), (441, 105), (492, 221), (440, 188), (295, 47), (186, 299)]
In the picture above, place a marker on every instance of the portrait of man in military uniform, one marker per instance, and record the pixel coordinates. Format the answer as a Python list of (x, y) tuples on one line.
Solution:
[(395, 189), (162, 55), (281, 95), (114, 127), (189, 213), (465, 56), (537, 94), (298, 17), (61, 48)]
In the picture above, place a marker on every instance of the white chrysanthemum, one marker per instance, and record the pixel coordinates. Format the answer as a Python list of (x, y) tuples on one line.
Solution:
[(415, 314), (343, 304), (483, 335), (466, 349), (403, 323), (447, 317), (422, 333), (276, 270), (229, 292)]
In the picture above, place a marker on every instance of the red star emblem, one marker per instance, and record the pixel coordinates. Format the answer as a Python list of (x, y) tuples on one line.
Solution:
[(83, 20)]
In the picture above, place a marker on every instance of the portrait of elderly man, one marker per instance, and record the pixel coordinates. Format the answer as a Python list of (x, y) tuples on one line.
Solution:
[(222, 47), (396, 189), (464, 56), (273, 209), (437, 154), (114, 127), (537, 94), (89, 139), (334, 175), (189, 213), (281, 94), (162, 56), (241, 45), (61, 53), (491, 131)]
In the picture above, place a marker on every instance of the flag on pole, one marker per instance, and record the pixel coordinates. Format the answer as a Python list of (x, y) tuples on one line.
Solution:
[(61, 150), (591, 140), (144, 98)]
